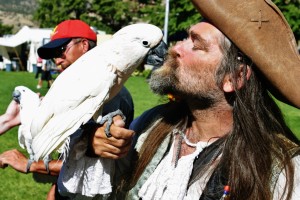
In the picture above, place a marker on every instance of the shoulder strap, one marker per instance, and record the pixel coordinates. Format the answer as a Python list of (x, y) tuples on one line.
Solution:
[(215, 185)]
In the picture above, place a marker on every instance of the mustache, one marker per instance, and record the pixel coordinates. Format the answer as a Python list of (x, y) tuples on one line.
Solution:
[(164, 79), (171, 59)]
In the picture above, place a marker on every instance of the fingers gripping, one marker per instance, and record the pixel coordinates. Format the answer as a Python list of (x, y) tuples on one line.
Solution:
[(109, 119)]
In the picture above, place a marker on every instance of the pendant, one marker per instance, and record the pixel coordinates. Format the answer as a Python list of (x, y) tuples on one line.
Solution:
[(226, 193)]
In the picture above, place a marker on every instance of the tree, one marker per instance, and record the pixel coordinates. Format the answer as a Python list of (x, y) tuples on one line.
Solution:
[(5, 29), (111, 15), (291, 11), (181, 16), (107, 15), (51, 12)]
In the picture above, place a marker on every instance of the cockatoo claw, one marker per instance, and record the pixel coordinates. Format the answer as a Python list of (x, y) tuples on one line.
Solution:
[(109, 119), (46, 160), (29, 162)]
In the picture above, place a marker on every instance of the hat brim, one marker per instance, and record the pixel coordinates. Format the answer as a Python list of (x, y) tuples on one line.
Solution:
[(47, 51)]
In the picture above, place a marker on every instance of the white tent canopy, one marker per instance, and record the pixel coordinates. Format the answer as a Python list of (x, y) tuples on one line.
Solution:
[(35, 37)]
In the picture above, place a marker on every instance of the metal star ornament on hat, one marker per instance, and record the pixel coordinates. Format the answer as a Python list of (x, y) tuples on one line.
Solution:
[(260, 30)]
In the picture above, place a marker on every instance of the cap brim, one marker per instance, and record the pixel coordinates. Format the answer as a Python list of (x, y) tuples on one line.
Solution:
[(47, 51)]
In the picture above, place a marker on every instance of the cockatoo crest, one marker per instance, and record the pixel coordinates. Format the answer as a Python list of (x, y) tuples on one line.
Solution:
[(80, 91)]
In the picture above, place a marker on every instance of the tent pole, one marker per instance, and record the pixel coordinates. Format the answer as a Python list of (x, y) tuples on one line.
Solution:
[(166, 22), (20, 62)]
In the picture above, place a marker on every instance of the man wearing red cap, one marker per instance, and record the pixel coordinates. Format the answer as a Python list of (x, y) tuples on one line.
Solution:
[(65, 39), (223, 136), (69, 41)]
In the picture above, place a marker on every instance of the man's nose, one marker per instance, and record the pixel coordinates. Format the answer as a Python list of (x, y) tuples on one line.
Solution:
[(58, 61), (179, 48)]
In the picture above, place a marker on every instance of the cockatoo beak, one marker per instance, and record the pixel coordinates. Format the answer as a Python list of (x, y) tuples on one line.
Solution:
[(16, 96), (156, 55)]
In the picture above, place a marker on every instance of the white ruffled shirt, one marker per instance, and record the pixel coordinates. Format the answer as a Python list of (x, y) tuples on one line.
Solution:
[(83, 177), (169, 182)]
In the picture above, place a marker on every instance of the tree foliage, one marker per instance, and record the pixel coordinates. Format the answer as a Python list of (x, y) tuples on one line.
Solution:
[(111, 15), (106, 15), (291, 11), (182, 14), (51, 12), (5, 29)]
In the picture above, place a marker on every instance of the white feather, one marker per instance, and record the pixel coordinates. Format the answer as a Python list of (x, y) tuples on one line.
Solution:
[(82, 89), (28, 102)]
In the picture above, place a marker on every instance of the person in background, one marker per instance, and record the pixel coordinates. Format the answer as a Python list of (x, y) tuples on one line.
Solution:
[(69, 41), (39, 64), (46, 74)]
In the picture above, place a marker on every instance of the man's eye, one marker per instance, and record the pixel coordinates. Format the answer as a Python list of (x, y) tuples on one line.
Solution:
[(197, 47), (200, 46)]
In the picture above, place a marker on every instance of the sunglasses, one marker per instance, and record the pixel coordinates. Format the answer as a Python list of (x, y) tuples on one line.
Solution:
[(59, 52)]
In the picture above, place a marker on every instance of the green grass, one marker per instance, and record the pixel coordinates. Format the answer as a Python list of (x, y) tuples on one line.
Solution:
[(19, 186), (142, 96), (16, 185)]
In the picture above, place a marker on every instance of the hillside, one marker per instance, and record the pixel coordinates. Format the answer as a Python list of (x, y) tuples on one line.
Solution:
[(17, 13)]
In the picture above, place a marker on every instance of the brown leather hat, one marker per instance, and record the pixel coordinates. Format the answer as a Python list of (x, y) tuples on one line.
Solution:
[(260, 30)]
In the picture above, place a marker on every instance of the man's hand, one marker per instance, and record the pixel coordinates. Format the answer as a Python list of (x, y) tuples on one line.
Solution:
[(114, 147), (18, 161), (15, 159)]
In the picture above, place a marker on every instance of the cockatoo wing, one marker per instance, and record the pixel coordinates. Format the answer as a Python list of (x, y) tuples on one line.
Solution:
[(28, 102), (82, 89), (77, 111)]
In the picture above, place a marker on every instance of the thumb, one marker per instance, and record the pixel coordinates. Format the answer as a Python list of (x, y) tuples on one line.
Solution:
[(118, 121), (2, 165)]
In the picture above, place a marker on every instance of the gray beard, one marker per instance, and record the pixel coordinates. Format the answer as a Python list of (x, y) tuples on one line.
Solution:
[(162, 82)]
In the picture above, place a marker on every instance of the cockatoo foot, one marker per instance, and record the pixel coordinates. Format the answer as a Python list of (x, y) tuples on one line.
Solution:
[(46, 160), (109, 119), (29, 162)]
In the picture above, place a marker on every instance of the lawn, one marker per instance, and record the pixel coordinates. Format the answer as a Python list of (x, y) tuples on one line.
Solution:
[(19, 186)]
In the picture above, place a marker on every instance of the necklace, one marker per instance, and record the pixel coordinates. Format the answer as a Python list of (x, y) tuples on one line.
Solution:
[(182, 137), (178, 150)]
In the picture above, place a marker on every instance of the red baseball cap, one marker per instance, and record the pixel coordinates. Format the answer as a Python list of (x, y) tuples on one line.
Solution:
[(63, 34)]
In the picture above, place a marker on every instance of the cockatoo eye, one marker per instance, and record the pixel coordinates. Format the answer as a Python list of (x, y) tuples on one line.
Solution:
[(146, 43)]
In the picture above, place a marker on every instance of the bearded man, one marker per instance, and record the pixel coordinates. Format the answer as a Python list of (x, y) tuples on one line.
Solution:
[(224, 130), (223, 136)]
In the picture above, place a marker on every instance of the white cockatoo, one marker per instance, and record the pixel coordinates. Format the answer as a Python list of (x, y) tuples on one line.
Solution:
[(78, 94), (28, 102)]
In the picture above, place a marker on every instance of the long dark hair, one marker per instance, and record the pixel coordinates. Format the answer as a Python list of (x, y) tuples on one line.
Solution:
[(253, 146)]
